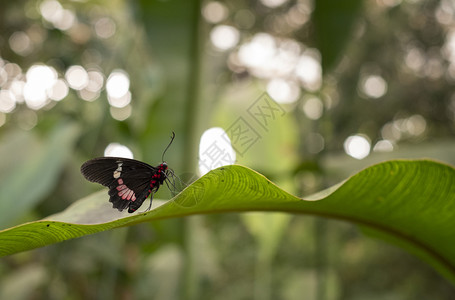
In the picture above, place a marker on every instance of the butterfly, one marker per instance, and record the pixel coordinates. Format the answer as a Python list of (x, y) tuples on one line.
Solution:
[(130, 181)]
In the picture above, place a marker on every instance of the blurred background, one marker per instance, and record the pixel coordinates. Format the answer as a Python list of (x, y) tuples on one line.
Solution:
[(305, 92)]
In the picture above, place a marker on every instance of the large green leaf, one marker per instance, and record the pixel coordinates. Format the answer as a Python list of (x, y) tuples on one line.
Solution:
[(409, 203)]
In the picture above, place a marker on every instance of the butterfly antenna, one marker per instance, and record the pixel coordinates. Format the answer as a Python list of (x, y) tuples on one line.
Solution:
[(172, 139)]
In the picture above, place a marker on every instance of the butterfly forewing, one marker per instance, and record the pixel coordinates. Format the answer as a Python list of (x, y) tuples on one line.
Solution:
[(130, 181), (127, 179)]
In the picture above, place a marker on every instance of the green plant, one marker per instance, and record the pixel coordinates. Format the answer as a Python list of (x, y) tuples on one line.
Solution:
[(395, 201)]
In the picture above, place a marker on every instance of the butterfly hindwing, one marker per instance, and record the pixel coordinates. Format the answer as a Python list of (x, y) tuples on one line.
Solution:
[(127, 179)]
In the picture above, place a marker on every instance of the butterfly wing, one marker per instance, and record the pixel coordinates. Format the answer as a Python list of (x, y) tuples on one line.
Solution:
[(127, 179)]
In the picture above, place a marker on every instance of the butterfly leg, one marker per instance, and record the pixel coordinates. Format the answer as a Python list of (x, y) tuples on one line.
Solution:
[(175, 182), (169, 185), (151, 199)]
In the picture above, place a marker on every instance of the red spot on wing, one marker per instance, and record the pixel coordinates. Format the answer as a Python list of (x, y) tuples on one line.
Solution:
[(121, 187), (125, 193)]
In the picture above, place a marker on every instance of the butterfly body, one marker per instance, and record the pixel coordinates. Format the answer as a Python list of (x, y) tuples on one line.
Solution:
[(130, 181)]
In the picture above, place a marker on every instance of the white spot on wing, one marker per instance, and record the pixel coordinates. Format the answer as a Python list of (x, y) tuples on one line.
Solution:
[(118, 172)]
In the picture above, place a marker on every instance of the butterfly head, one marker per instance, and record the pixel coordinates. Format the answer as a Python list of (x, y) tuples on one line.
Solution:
[(162, 171), (163, 167)]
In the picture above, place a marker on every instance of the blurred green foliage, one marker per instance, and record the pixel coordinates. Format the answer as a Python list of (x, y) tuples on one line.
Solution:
[(180, 80)]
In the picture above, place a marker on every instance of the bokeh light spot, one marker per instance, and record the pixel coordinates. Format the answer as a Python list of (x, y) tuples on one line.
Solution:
[(383, 146), (416, 125), (39, 79), (357, 146), (118, 150), (66, 20), (244, 19), (273, 3), (41, 75), (96, 81), (53, 12), (7, 101), (20, 43), (13, 70), (121, 114), (121, 101), (283, 91), (315, 142), (313, 108), (58, 91), (260, 49), (77, 77), (224, 37), (309, 71), (17, 88), (105, 28), (87, 95), (3, 76), (26, 119), (374, 86), (118, 84), (215, 12), (415, 59), (215, 150)]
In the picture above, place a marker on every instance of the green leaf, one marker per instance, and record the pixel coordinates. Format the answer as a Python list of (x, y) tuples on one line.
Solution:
[(409, 203), (333, 22), (33, 169)]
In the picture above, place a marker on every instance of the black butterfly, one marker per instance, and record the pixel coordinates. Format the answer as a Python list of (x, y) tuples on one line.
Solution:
[(130, 181)]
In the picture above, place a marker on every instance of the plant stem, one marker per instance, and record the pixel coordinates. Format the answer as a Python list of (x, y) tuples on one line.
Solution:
[(191, 135), (320, 234), (263, 279), (193, 101)]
